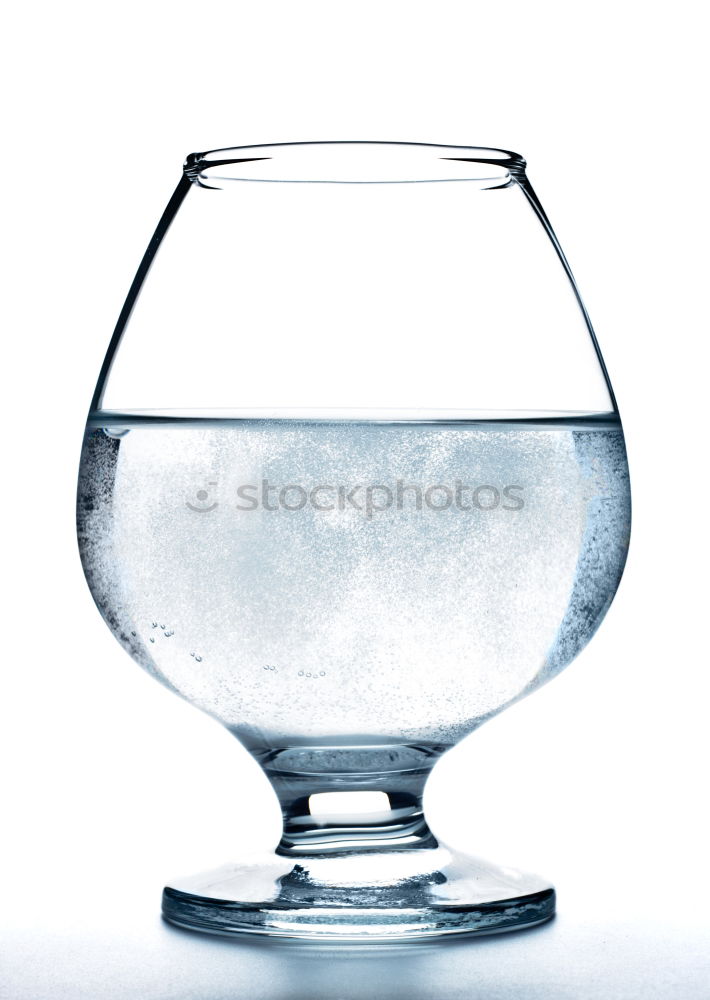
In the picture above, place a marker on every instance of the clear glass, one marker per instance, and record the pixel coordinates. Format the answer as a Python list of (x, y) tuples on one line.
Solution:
[(354, 481)]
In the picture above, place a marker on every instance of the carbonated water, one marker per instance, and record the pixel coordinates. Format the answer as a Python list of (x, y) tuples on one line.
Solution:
[(318, 582)]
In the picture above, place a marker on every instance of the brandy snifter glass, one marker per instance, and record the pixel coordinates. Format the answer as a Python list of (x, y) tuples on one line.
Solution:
[(353, 482)]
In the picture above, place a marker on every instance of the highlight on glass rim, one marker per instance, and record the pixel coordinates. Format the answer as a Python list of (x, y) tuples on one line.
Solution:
[(354, 481)]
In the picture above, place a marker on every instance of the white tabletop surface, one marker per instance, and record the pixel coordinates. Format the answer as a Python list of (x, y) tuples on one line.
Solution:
[(128, 952)]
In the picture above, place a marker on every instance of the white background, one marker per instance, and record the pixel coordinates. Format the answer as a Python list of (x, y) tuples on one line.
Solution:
[(110, 783)]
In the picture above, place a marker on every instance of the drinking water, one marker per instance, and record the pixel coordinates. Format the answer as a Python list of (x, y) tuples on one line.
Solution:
[(321, 582)]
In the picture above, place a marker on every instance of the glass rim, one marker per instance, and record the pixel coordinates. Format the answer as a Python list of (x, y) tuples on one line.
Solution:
[(354, 162)]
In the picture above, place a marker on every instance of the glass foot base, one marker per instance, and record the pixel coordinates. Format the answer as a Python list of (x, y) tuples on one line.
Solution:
[(365, 897)]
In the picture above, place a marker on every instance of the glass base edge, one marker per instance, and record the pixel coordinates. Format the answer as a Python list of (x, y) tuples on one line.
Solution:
[(355, 924)]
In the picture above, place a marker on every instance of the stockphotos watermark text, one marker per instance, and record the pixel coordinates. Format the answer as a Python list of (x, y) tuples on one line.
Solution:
[(369, 499)]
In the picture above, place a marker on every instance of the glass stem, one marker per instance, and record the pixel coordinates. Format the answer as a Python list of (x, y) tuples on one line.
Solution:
[(351, 800)]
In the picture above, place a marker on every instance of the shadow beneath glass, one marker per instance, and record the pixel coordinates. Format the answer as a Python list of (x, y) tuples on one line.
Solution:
[(441, 969)]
